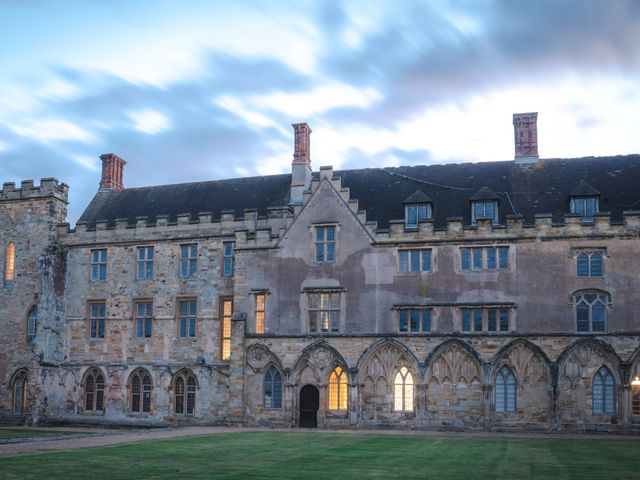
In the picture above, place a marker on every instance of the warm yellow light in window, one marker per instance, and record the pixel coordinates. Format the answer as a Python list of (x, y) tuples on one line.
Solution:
[(260, 313), (338, 390), (636, 381), (227, 311), (11, 262)]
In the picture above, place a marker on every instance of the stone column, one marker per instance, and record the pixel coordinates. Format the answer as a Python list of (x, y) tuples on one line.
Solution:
[(236, 369), (354, 398)]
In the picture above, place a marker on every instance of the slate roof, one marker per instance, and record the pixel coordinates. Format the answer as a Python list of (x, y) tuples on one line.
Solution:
[(417, 197), (544, 187)]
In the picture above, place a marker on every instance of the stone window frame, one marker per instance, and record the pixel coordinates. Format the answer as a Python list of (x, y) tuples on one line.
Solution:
[(420, 212), (269, 380), (94, 392), (486, 318), (259, 311), (425, 259), (408, 310), (188, 260), (602, 297), (469, 258), (323, 244), (603, 394), (340, 292), (19, 380), (578, 254), (228, 258), (338, 390), (404, 397), (98, 264), (188, 317), (146, 317), (475, 215), (505, 386), (10, 263), (186, 392), (32, 324), (225, 315), (99, 320), (145, 395), (145, 262)]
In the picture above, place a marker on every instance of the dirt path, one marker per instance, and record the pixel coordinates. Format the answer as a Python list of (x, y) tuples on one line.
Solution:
[(97, 438)]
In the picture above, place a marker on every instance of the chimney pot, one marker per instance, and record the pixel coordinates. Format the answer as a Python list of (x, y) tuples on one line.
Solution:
[(525, 129), (112, 172)]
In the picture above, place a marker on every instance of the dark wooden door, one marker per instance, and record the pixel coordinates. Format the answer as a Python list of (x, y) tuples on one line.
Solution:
[(309, 404)]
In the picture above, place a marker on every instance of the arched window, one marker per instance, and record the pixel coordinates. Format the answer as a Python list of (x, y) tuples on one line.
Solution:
[(272, 389), (185, 393), (403, 391), (591, 312), (19, 392), (32, 325), (604, 392), (94, 391), (505, 391), (10, 264), (338, 389), (140, 389)]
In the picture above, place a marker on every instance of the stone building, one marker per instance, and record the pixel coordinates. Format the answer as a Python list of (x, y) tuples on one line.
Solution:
[(478, 296)]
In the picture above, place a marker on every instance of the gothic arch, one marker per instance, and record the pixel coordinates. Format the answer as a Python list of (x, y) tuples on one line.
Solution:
[(453, 360), (604, 349), (412, 360), (316, 361), (260, 358), (527, 361)]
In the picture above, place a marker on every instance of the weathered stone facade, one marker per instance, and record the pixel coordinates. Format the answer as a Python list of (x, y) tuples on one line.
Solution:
[(85, 367)]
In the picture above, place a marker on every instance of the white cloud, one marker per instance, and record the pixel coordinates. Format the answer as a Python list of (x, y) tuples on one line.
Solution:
[(150, 121), (52, 129), (86, 161)]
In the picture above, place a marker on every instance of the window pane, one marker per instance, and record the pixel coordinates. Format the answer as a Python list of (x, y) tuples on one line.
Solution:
[(466, 320), (404, 320), (477, 258), (466, 258), (415, 260), (582, 264), (415, 320), (504, 320), (491, 320), (422, 211), (319, 252), (335, 321), (403, 256), (596, 264), (331, 249), (331, 234), (491, 257), (598, 393), (319, 234), (500, 393), (489, 209), (412, 215), (503, 253), (582, 317), (477, 320), (426, 260)]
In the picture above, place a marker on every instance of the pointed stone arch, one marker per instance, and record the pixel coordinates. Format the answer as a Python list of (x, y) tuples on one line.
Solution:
[(454, 378), (259, 357), (315, 362), (528, 361), (577, 365), (377, 370)]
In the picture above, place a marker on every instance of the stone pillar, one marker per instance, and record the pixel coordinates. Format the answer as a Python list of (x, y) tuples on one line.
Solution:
[(554, 397), (354, 398), (487, 406), (290, 402), (237, 362)]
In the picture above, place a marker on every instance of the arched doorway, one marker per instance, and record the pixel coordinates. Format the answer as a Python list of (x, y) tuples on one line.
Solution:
[(309, 404)]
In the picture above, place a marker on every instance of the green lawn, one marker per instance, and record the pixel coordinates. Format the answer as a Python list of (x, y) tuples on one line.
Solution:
[(337, 456), (14, 433)]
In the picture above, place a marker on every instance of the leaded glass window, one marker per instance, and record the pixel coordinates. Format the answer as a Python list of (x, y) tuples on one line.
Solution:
[(188, 259), (589, 263), (94, 391), (32, 325), (414, 260), (604, 392), (403, 391), (325, 244), (338, 389), (505, 390), (591, 312), (324, 311), (272, 388)]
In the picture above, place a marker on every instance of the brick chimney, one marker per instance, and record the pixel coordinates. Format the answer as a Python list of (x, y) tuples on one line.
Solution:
[(112, 167), (525, 129), (301, 166)]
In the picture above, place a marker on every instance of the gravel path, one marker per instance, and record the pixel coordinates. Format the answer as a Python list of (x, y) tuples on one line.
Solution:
[(87, 438)]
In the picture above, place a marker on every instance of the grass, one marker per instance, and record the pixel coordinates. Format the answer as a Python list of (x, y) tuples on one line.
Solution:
[(15, 433), (338, 456)]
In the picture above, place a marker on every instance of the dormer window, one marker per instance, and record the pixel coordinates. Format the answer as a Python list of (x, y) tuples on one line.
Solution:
[(585, 201), (484, 204), (417, 208)]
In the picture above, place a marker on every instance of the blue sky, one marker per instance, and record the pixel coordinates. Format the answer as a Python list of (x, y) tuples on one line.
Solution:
[(188, 90)]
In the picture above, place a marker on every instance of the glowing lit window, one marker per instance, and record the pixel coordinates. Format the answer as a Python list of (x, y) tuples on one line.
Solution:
[(635, 396), (403, 391), (272, 394), (604, 395), (260, 312), (338, 389), (226, 311), (505, 391), (10, 264)]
